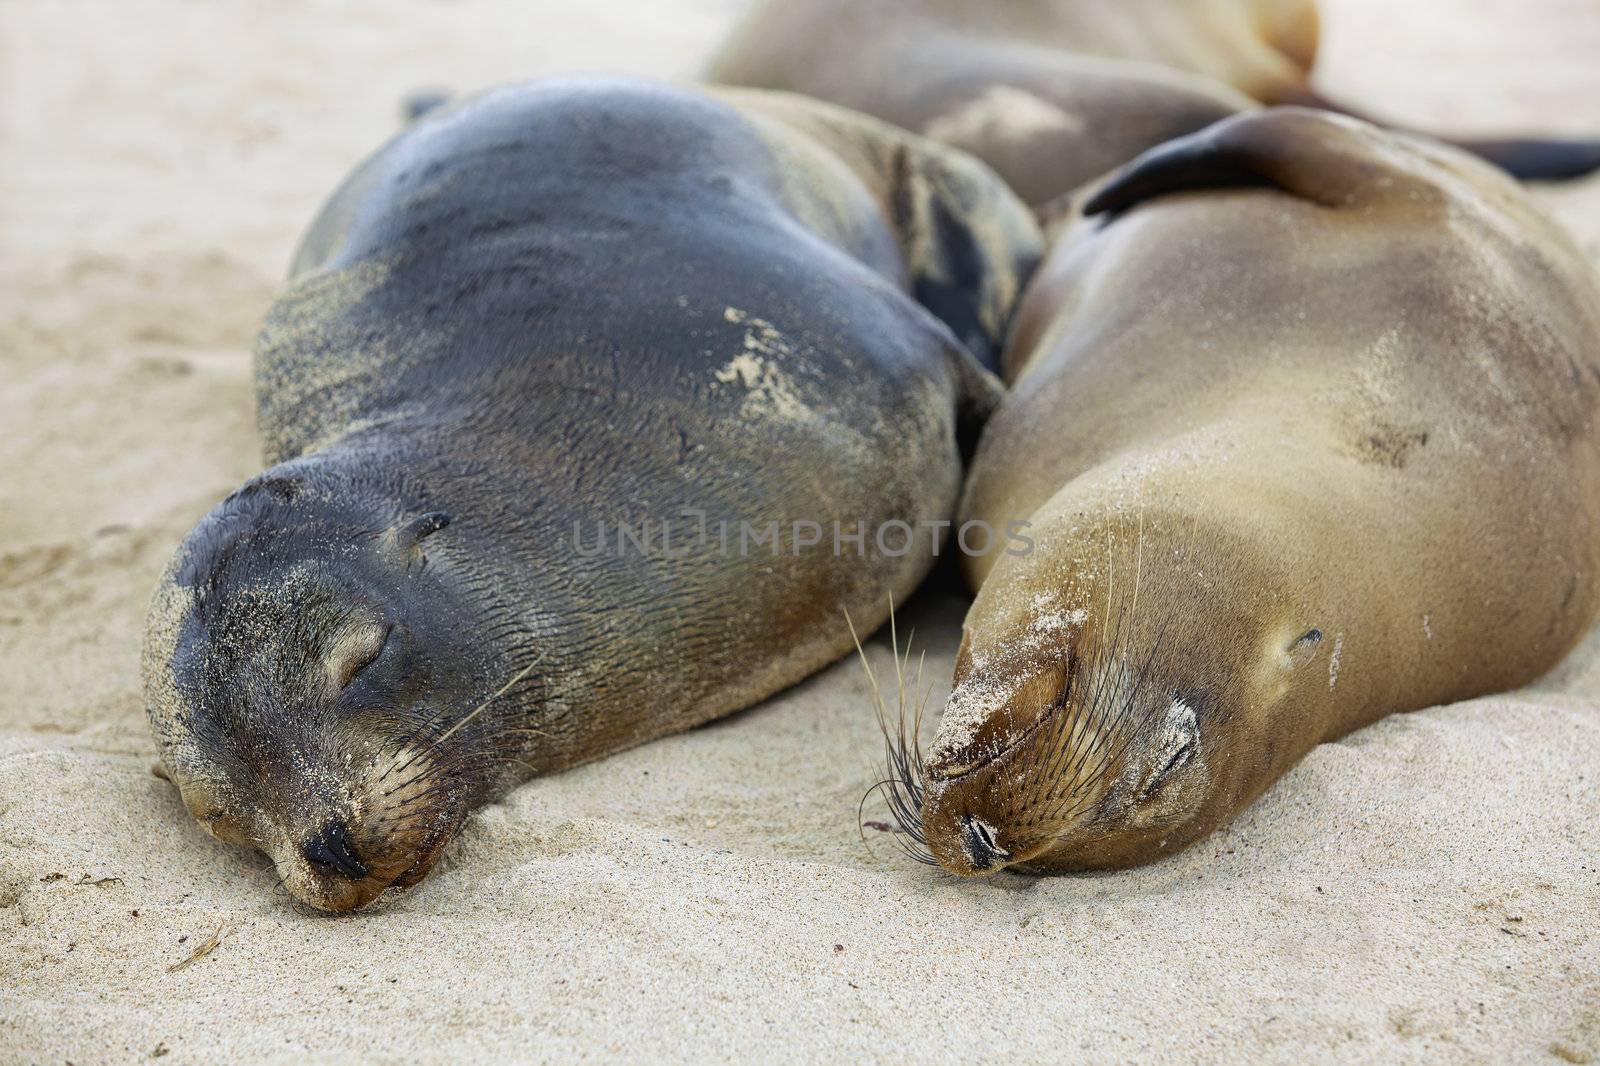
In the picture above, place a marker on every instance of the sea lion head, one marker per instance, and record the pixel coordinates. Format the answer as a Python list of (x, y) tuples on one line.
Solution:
[(1100, 723), (305, 680), (1065, 761)]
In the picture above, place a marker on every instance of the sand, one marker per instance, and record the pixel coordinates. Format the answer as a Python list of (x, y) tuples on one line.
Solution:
[(1427, 889)]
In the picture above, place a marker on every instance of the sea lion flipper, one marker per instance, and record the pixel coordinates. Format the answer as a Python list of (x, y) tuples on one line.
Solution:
[(1536, 159), (978, 394), (420, 103), (1314, 155), (969, 242), (1525, 158)]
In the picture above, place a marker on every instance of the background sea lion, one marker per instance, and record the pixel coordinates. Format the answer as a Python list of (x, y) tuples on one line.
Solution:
[(1053, 93), (556, 305), (1304, 416)]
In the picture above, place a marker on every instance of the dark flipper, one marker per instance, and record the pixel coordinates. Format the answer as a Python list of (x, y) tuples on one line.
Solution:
[(1188, 163), (1314, 155), (420, 102), (1532, 159), (969, 244), (1528, 158)]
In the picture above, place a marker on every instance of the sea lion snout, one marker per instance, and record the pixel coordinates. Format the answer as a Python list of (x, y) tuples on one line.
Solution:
[(328, 875), (342, 865), (1002, 694), (1084, 786), (971, 831), (360, 819), (1077, 734), (961, 840)]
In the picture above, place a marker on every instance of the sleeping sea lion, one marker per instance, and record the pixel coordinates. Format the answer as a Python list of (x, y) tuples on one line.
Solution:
[(1303, 419), (531, 329), (1053, 93)]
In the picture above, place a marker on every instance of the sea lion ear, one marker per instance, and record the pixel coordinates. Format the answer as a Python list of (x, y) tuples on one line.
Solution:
[(409, 535), (1314, 155), (1304, 649)]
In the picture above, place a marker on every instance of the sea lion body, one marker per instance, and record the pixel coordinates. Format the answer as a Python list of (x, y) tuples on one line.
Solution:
[(1303, 420), (534, 321), (1054, 93)]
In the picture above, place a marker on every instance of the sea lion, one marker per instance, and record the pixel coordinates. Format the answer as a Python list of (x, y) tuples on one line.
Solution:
[(531, 316), (1053, 93), (1303, 419)]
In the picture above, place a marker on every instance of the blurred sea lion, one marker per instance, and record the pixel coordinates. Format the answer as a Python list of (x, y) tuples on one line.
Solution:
[(1053, 93)]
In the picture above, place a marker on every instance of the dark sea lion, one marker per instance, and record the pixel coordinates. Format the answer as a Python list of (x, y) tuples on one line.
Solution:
[(1303, 417), (1053, 93), (549, 307)]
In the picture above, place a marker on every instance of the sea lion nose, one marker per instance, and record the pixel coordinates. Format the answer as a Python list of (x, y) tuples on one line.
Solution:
[(978, 841), (330, 853)]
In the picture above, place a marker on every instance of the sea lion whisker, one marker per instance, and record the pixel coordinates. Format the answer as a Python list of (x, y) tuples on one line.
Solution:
[(901, 772), (445, 775), (906, 796), (1100, 753), (899, 672), (1073, 779), (267, 868), (448, 733), (424, 722), (1138, 561), (428, 767), (1063, 732), (1066, 715), (1063, 749), (877, 695), (1125, 736), (884, 783), (1104, 688), (880, 707), (1067, 726), (918, 718), (449, 770), (861, 814)]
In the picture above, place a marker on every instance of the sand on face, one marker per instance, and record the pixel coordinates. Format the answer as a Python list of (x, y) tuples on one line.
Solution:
[(1428, 887)]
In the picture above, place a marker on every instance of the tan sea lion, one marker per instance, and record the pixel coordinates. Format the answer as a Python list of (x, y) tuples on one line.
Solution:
[(531, 317), (1303, 419), (1053, 93)]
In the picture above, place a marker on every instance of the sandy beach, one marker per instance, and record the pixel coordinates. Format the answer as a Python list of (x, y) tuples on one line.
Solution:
[(1427, 889)]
